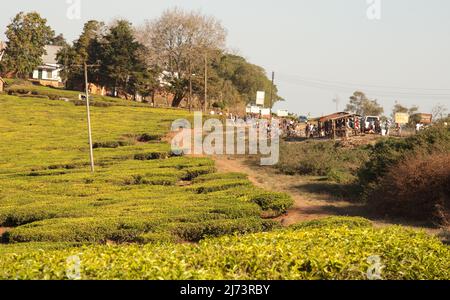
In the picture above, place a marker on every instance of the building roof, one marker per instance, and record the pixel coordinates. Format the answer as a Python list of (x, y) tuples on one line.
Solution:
[(336, 116), (333, 116), (50, 56)]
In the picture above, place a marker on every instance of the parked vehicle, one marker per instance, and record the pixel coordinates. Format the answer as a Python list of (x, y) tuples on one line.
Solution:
[(423, 119)]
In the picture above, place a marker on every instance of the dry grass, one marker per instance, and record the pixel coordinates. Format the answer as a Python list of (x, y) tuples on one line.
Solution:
[(417, 188)]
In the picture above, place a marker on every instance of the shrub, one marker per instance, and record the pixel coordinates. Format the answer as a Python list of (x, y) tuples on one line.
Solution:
[(339, 176), (83, 230), (219, 176), (349, 222), (277, 202), (151, 180), (327, 253), (145, 138), (195, 232), (217, 185), (111, 145), (151, 156), (320, 158), (194, 172), (418, 187), (92, 103), (387, 153)]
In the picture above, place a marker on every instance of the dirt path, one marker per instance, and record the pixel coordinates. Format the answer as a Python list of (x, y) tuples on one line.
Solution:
[(2, 231), (313, 199), (309, 201)]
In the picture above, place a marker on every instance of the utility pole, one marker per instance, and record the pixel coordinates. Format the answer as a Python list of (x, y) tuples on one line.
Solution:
[(337, 101), (190, 87), (271, 90), (91, 150), (2, 49), (206, 83)]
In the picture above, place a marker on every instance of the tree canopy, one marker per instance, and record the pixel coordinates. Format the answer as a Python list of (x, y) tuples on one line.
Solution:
[(169, 54), (27, 36), (361, 105), (178, 43)]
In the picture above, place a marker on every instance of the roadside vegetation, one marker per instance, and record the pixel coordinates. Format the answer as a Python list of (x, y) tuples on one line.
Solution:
[(410, 178), (406, 178), (333, 249), (322, 158), (133, 217)]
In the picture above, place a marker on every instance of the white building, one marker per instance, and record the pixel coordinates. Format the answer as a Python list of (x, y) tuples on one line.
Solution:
[(49, 72), (2, 52)]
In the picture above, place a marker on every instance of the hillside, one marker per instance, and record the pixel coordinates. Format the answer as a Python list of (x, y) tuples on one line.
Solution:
[(143, 212), (138, 193)]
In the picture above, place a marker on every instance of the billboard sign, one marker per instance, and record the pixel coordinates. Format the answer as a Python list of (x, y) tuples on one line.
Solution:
[(282, 113), (402, 118), (260, 98), (265, 112), (254, 110)]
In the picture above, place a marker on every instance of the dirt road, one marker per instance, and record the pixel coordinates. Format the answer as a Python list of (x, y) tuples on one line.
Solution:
[(312, 197)]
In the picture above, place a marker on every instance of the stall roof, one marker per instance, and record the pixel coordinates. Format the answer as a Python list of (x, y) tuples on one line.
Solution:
[(335, 116)]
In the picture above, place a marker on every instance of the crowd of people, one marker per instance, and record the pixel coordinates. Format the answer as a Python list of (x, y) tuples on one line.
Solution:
[(339, 127)]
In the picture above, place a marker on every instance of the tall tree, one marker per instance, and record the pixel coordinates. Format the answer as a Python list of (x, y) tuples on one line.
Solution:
[(58, 40), (87, 48), (361, 105), (246, 78), (121, 63), (27, 36), (399, 108), (439, 111), (178, 42)]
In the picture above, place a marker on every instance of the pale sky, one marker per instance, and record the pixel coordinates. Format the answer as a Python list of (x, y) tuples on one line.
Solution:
[(319, 49)]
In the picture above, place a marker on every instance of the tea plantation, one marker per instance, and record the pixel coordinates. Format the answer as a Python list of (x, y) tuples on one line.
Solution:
[(139, 193), (316, 252), (142, 213)]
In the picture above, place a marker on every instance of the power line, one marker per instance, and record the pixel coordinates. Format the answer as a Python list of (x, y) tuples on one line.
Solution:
[(297, 77), (324, 85)]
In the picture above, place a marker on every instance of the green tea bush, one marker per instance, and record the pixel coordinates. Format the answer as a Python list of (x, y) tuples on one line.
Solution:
[(112, 144), (323, 253), (278, 202), (84, 230), (219, 176), (194, 172), (330, 222), (272, 204), (217, 185), (151, 156), (198, 231), (153, 180), (19, 248)]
